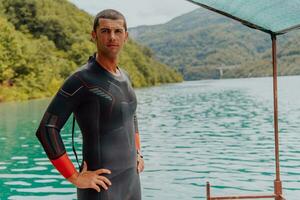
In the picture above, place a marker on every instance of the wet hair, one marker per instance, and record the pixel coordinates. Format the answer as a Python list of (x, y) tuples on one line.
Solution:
[(109, 14)]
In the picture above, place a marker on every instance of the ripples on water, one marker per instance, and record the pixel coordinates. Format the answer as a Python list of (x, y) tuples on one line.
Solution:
[(218, 131)]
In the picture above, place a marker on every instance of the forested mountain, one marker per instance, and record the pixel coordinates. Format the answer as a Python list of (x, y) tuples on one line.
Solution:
[(43, 41), (201, 42)]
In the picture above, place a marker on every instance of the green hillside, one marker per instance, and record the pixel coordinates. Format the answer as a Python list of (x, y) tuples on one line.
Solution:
[(201, 42), (43, 41)]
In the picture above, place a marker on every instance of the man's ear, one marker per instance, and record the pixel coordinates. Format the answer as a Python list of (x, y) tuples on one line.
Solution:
[(94, 35), (126, 36)]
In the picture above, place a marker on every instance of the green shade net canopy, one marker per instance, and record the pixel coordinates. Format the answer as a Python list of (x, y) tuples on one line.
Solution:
[(270, 16)]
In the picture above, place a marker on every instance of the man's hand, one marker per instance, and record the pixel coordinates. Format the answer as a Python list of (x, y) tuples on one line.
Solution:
[(90, 179), (140, 163)]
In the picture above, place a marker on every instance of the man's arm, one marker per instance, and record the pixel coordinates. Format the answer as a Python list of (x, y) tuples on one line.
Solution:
[(62, 105), (67, 99), (137, 134), (140, 160)]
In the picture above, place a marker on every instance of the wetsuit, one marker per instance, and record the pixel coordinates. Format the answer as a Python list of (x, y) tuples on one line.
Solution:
[(104, 106)]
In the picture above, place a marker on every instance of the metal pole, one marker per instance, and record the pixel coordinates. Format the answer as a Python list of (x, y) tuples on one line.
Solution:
[(207, 191), (277, 181)]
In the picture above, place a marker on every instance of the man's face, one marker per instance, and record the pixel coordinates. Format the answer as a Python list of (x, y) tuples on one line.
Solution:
[(110, 37)]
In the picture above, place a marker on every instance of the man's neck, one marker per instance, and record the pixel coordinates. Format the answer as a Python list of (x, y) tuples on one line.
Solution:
[(107, 63)]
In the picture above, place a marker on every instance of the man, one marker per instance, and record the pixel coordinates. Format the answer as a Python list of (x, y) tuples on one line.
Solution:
[(102, 99)]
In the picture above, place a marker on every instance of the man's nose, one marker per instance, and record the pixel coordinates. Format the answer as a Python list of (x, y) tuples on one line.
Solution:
[(112, 35)]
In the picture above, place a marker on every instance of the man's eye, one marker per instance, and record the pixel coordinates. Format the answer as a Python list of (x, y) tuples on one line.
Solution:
[(119, 31), (104, 31)]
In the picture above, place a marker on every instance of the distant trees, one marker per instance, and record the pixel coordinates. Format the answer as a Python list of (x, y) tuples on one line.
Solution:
[(200, 42), (43, 41)]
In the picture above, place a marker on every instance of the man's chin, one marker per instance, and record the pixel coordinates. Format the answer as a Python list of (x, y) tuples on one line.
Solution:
[(113, 54)]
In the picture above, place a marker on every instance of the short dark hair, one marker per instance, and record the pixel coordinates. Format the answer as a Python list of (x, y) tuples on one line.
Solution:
[(109, 14)]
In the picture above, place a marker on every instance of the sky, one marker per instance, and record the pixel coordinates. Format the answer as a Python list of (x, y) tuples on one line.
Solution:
[(139, 12)]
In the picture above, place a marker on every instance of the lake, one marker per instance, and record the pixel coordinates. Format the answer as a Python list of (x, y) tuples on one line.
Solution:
[(219, 131)]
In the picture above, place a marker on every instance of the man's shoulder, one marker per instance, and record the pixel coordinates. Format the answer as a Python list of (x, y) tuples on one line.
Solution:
[(75, 81), (71, 85), (82, 68)]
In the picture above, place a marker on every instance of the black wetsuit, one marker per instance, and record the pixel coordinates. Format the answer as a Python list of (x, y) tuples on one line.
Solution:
[(104, 106)]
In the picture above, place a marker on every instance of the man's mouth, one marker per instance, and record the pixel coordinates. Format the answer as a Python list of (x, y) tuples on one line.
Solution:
[(113, 45)]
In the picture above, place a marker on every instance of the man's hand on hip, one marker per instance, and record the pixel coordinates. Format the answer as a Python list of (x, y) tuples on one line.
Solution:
[(91, 179)]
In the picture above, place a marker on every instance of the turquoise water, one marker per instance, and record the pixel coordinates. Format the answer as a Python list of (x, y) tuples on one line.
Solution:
[(218, 130)]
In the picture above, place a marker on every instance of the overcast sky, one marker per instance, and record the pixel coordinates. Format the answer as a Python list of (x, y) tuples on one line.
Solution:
[(139, 12)]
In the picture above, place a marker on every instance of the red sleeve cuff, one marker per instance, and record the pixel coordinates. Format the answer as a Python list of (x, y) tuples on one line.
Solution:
[(137, 141), (64, 165)]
